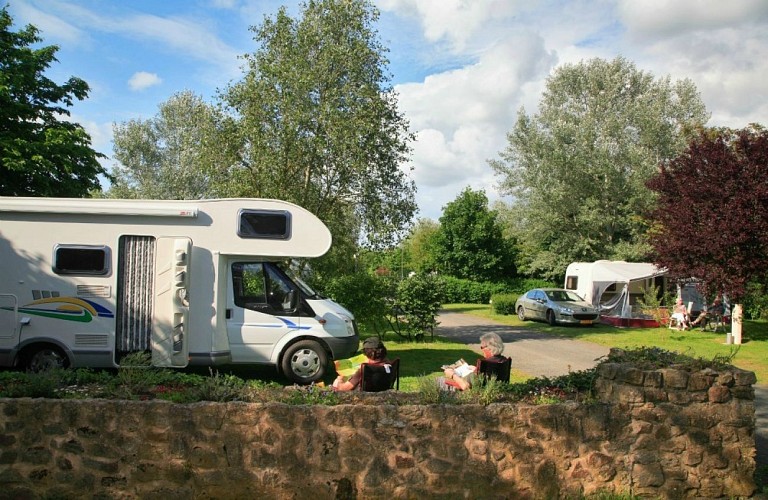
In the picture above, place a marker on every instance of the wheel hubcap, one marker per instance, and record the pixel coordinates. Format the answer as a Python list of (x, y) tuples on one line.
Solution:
[(305, 363)]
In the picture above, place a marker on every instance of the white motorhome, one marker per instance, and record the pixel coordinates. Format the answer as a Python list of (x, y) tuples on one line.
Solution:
[(84, 282)]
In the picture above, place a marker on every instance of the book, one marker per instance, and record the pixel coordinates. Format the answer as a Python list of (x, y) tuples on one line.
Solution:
[(347, 367), (461, 368)]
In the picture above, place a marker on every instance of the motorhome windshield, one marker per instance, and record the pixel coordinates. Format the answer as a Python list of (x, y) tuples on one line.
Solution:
[(305, 288)]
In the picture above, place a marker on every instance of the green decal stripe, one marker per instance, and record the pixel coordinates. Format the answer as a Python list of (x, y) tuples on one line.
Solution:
[(86, 317)]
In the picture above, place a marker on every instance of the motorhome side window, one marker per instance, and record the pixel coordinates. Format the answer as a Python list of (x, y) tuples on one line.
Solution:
[(571, 282), (259, 287), (81, 259), (265, 224)]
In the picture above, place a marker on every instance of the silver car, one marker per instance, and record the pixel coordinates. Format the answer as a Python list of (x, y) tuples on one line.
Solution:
[(555, 305)]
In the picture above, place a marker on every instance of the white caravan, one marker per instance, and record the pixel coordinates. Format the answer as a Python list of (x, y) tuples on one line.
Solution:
[(83, 282)]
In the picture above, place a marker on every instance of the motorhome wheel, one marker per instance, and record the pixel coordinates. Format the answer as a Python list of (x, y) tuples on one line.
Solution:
[(46, 358), (305, 362)]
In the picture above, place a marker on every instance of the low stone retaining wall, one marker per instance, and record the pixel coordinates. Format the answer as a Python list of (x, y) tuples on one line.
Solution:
[(663, 433)]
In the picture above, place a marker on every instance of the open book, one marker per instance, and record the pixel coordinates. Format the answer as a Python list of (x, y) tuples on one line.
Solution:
[(461, 368), (348, 367)]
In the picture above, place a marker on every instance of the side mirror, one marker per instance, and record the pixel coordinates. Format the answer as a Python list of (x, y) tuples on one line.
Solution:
[(293, 300)]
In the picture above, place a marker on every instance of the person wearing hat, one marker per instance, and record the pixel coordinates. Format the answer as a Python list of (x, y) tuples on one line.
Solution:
[(374, 350)]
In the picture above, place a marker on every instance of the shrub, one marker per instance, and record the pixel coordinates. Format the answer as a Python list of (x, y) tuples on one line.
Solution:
[(504, 304), (365, 295), (419, 298)]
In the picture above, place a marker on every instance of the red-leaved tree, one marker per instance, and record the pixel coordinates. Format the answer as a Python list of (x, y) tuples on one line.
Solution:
[(711, 220)]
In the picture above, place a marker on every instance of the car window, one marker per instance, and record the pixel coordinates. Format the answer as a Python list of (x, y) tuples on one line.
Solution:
[(539, 295), (531, 294)]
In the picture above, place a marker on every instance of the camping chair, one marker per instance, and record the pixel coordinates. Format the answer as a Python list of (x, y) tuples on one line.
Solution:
[(714, 321), (673, 321), (499, 369), (377, 378)]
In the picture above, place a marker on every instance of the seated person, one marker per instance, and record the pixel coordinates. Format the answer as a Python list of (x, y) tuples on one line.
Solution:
[(680, 314), (491, 346), (716, 308), (377, 355)]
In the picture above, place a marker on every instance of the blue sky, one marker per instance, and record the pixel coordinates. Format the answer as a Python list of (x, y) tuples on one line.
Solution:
[(462, 68)]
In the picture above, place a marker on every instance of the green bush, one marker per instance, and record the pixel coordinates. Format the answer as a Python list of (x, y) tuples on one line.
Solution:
[(419, 299), (504, 304), (365, 295), (464, 291)]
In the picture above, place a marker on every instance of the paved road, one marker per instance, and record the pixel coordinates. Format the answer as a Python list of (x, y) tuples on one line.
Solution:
[(539, 354)]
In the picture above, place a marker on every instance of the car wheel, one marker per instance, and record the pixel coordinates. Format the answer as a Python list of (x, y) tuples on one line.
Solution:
[(551, 317), (305, 362), (46, 358), (521, 313)]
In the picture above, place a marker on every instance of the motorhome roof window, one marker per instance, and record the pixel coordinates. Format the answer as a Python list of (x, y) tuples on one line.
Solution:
[(267, 224), (81, 259)]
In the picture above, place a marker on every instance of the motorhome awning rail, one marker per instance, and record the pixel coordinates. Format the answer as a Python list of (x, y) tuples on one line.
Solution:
[(103, 207)]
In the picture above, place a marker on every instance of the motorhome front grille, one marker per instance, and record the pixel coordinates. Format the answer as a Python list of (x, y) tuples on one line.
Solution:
[(85, 340), (94, 291), (135, 291)]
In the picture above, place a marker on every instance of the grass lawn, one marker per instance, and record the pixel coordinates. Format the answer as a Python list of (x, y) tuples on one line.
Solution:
[(751, 355)]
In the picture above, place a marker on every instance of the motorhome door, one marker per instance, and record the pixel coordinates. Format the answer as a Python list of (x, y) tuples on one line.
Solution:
[(260, 310), (170, 339)]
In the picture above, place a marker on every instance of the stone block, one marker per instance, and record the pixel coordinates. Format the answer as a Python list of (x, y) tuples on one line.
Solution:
[(719, 394), (674, 379), (647, 475)]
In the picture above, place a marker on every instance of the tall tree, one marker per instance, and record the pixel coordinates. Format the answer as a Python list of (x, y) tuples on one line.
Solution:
[(469, 242), (40, 154), (319, 121), (182, 153), (577, 169), (711, 221)]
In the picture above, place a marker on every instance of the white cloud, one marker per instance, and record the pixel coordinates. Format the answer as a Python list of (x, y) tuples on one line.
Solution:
[(52, 28), (654, 19), (142, 80)]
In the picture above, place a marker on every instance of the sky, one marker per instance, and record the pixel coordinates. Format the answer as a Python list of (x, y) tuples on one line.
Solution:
[(463, 69)]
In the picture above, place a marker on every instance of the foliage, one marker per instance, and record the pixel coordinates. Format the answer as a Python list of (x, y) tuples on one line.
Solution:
[(41, 154), (218, 387), (577, 169), (177, 155), (469, 242), (504, 303), (420, 247), (756, 301), (418, 297), (711, 221), (366, 295), (653, 303), (310, 395), (319, 126)]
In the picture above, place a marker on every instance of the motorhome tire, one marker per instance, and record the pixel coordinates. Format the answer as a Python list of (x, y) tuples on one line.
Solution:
[(551, 317), (46, 358), (521, 313), (305, 362)]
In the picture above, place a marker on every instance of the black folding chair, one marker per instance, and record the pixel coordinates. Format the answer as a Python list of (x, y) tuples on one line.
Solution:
[(377, 378), (488, 368)]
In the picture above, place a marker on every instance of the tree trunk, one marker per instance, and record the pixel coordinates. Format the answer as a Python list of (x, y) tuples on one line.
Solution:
[(736, 323)]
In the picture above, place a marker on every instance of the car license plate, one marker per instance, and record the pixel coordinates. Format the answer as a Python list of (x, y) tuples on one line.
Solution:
[(586, 322)]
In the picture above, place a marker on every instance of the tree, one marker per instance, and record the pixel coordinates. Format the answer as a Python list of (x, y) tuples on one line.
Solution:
[(577, 169), (182, 153), (711, 221), (421, 247), (40, 154), (469, 242), (319, 122)]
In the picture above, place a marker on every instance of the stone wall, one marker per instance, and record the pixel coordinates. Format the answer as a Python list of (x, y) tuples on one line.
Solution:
[(664, 433)]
